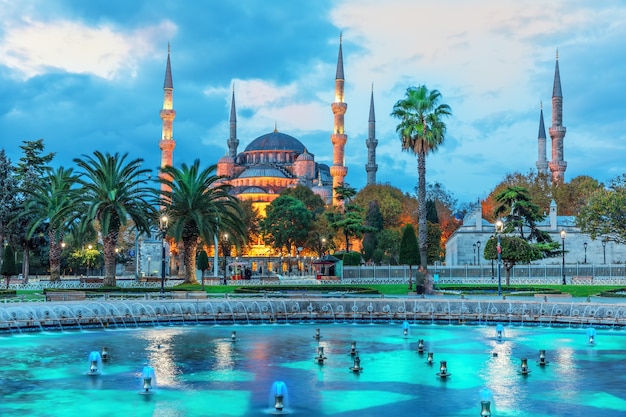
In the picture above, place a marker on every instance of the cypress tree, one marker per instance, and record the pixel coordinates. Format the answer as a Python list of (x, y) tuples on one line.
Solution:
[(409, 251)]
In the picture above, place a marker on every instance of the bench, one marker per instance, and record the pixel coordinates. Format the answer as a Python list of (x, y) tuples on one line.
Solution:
[(65, 296), (90, 280), (150, 279), (582, 280)]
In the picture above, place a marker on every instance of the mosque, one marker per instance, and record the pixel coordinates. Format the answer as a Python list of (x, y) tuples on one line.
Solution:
[(276, 160), (464, 246)]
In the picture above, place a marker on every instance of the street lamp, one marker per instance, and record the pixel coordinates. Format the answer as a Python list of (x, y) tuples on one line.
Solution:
[(499, 229), (474, 247), (563, 234), (224, 248), (604, 250), (585, 246), (163, 221), (478, 251)]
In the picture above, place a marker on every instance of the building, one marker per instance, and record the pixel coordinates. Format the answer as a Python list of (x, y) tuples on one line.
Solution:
[(276, 160), (466, 246)]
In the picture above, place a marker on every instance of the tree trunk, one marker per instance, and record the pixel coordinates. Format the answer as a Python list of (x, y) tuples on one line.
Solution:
[(25, 262), (110, 242), (191, 246), (55, 256), (422, 232)]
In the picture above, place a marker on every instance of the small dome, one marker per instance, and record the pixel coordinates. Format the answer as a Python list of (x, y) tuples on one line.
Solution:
[(324, 192), (275, 141), (305, 156), (262, 171), (226, 160)]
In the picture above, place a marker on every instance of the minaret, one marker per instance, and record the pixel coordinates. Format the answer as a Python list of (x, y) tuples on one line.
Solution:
[(338, 171), (167, 142), (233, 142), (557, 131), (371, 143), (542, 161)]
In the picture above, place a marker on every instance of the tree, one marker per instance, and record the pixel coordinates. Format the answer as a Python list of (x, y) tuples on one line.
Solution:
[(389, 199), (374, 219), (350, 223), (8, 200), (30, 168), (603, 215), (202, 262), (286, 224), (113, 192), (8, 265), (409, 252), (312, 201), (421, 131), (514, 250), (51, 203), (522, 214), (198, 205)]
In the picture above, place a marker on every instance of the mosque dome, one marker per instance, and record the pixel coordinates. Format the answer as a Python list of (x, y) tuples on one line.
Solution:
[(275, 141)]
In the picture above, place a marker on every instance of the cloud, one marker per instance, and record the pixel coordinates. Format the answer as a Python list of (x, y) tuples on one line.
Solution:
[(33, 47)]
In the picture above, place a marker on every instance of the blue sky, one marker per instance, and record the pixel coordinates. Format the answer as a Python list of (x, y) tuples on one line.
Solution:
[(88, 75)]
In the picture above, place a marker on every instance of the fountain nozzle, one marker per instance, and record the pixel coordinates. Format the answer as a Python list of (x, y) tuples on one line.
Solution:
[(233, 336), (485, 410), (278, 402), (524, 367), (420, 346), (542, 358), (147, 383), (429, 358), (353, 348), (94, 367), (105, 354), (443, 370)]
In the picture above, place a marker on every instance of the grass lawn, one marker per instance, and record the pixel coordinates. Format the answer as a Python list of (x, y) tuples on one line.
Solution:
[(402, 289)]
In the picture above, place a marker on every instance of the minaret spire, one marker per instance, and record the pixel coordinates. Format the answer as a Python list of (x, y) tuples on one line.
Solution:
[(338, 170), (542, 161), (557, 130), (167, 142), (233, 142), (371, 167)]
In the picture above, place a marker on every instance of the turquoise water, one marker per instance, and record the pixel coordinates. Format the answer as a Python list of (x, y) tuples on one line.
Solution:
[(201, 372)]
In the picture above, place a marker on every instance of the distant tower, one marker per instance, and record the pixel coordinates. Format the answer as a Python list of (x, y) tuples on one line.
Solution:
[(542, 162), (338, 170), (372, 142), (167, 142), (233, 142), (557, 131)]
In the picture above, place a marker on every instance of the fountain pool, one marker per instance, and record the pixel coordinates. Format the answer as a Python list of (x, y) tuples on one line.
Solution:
[(202, 371)]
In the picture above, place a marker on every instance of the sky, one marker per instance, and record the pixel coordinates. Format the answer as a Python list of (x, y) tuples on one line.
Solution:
[(88, 75)]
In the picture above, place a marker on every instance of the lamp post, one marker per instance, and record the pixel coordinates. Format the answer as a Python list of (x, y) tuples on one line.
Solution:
[(604, 251), (224, 248), (563, 254), (499, 228), (585, 246), (474, 247), (478, 252), (163, 221)]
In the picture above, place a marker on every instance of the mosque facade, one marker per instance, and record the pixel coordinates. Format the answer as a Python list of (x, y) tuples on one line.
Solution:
[(276, 160)]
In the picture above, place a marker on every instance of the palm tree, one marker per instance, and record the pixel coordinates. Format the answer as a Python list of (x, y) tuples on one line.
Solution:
[(421, 131), (198, 206), (114, 191), (51, 201)]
